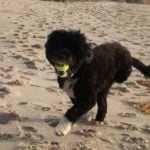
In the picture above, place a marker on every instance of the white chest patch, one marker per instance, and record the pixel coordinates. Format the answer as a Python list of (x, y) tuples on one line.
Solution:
[(68, 87)]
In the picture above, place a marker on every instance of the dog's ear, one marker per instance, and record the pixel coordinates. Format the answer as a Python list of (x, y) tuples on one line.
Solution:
[(84, 51), (48, 50)]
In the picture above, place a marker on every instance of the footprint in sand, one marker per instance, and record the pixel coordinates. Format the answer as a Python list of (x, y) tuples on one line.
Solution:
[(121, 126), (20, 57), (51, 120), (30, 64), (132, 85), (4, 104), (7, 117), (146, 129), (30, 133), (3, 91), (3, 37), (21, 27), (53, 89), (27, 73), (39, 37), (39, 107), (145, 83), (16, 82), (29, 129), (125, 126), (20, 81), (57, 145), (25, 45), (37, 46), (10, 43), (121, 89), (130, 115), (44, 145), (22, 103), (5, 136), (86, 133), (141, 53), (134, 143)]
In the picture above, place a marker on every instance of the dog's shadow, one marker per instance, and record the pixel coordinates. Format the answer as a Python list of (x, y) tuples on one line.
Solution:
[(53, 121)]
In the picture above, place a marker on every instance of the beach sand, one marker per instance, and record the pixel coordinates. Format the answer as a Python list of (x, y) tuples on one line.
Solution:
[(31, 103)]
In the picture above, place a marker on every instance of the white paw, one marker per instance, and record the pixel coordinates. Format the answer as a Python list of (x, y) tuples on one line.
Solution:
[(63, 127)]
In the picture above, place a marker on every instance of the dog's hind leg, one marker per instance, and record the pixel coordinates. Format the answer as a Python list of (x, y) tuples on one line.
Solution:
[(102, 106), (102, 109)]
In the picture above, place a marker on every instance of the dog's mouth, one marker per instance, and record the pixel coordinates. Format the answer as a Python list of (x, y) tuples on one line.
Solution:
[(62, 74), (62, 69)]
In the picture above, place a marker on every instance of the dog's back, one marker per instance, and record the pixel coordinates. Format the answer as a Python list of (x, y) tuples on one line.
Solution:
[(114, 61)]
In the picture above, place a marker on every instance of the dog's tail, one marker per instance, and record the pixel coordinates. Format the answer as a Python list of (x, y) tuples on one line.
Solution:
[(144, 69)]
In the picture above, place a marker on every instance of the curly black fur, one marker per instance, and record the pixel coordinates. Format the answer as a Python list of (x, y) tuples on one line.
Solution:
[(95, 69)]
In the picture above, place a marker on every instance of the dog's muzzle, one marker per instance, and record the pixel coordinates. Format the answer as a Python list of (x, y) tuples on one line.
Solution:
[(61, 69)]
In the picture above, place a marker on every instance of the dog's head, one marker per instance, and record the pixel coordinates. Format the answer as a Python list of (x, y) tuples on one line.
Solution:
[(67, 51)]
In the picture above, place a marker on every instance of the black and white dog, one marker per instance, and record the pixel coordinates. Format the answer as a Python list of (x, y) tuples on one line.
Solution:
[(91, 72)]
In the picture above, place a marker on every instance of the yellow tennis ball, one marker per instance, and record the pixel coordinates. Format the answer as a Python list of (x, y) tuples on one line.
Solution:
[(61, 66)]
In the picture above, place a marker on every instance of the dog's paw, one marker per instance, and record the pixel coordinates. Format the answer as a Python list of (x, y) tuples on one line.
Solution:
[(63, 127), (98, 123)]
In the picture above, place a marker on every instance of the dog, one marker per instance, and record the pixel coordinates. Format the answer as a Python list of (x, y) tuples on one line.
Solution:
[(88, 73)]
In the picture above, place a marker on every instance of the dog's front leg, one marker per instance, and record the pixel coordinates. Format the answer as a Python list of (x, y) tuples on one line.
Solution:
[(72, 115), (63, 127)]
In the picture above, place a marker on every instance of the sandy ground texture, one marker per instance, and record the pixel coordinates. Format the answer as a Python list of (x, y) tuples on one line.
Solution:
[(31, 103)]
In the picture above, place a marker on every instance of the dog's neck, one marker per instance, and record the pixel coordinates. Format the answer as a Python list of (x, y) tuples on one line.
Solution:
[(61, 81), (73, 76)]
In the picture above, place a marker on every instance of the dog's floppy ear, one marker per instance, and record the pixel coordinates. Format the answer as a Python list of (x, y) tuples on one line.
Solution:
[(48, 50), (84, 51)]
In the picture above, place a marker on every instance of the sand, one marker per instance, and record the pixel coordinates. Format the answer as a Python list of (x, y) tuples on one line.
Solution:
[(31, 103)]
